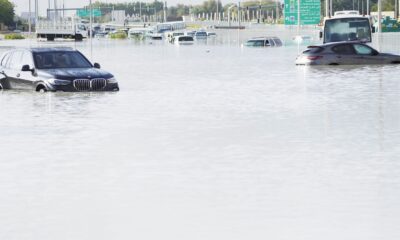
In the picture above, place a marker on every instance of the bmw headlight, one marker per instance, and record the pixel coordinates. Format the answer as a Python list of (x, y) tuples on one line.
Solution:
[(59, 82), (112, 80)]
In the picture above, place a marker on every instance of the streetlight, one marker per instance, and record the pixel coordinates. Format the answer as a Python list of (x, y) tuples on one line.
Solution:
[(29, 20)]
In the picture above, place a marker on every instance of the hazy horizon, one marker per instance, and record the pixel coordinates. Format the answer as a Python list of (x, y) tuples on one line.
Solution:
[(23, 6)]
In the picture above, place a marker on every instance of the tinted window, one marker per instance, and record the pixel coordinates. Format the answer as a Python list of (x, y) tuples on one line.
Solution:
[(49, 60), (343, 49), (363, 50)]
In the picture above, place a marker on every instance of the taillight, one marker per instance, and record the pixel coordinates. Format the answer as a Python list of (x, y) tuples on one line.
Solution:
[(314, 57)]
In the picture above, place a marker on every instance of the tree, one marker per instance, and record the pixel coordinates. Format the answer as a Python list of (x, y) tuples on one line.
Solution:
[(6, 12)]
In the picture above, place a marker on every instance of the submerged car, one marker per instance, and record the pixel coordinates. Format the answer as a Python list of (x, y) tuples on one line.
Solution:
[(53, 69), (264, 42), (345, 53), (184, 40)]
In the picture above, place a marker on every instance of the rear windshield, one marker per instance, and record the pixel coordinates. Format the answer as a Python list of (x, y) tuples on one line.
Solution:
[(59, 59)]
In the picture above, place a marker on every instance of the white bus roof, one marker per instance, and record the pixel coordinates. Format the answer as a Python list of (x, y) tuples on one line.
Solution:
[(347, 12)]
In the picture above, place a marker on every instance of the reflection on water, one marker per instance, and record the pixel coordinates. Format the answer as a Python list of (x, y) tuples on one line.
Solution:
[(211, 141)]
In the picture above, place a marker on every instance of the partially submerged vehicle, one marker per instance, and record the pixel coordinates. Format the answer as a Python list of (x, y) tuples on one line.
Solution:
[(345, 53), (172, 35), (264, 42), (137, 33), (183, 40), (53, 69), (347, 26), (62, 28)]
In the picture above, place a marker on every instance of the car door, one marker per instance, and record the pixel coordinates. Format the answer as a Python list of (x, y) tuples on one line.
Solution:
[(10, 71), (343, 54), (4, 81), (26, 79)]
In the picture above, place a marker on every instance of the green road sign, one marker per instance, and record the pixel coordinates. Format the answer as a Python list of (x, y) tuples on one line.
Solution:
[(310, 12), (86, 13)]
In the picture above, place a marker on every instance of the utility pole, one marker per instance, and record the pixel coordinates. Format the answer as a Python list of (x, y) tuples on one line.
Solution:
[(36, 12), (331, 7), (165, 11), (90, 29), (30, 19), (298, 17), (277, 11), (218, 11), (327, 8), (140, 10), (239, 14), (379, 16)]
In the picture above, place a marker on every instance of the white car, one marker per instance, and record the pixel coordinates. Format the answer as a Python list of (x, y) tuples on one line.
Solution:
[(183, 40)]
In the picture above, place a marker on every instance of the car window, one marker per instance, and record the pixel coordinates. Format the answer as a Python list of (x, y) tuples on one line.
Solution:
[(6, 63), (363, 50), (345, 49), (15, 61), (27, 59)]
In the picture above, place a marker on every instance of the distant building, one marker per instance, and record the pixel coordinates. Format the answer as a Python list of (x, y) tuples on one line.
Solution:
[(118, 16)]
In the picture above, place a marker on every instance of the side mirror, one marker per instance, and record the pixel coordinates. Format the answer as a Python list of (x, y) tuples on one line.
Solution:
[(320, 35), (375, 53), (96, 65), (26, 68), (373, 29)]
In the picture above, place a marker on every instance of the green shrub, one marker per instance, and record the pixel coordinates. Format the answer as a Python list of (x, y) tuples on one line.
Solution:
[(118, 35), (13, 36)]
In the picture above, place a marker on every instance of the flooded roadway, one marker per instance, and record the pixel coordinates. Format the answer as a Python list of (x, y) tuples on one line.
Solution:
[(211, 141)]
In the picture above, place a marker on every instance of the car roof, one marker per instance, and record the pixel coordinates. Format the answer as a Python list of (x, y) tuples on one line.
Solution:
[(51, 49), (340, 43), (263, 38)]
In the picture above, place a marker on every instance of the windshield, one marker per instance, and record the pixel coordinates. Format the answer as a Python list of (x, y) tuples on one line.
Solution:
[(59, 59), (347, 29)]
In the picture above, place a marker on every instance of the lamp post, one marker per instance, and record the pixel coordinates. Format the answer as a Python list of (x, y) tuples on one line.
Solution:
[(30, 19), (90, 29)]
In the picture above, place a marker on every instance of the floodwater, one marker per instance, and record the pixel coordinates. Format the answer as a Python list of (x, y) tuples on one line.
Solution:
[(211, 141)]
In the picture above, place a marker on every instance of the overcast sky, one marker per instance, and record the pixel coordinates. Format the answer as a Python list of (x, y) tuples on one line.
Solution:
[(23, 6)]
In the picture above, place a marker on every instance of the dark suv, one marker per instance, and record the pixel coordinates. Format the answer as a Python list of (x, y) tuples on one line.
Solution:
[(53, 69)]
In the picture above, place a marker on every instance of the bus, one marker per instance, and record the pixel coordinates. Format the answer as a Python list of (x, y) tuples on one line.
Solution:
[(347, 26)]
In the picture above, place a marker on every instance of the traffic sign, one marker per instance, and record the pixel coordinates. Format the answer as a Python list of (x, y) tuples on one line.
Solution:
[(86, 13), (310, 12)]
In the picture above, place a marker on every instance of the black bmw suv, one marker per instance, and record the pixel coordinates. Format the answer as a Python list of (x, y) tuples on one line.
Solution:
[(53, 69)]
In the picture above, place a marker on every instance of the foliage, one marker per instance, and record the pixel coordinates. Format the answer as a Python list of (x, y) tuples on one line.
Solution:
[(13, 36), (6, 12)]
